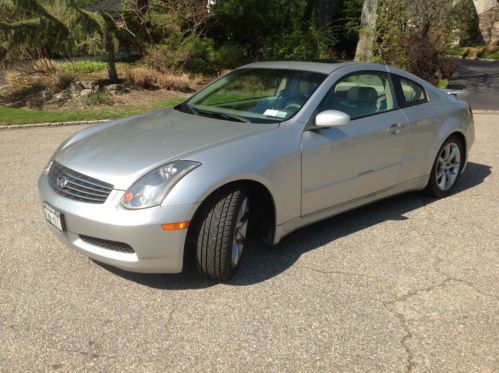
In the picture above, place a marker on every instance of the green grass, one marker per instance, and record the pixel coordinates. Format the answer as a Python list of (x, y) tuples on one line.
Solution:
[(491, 55), (443, 83), (458, 51), (90, 67), (9, 116), (464, 51), (99, 98)]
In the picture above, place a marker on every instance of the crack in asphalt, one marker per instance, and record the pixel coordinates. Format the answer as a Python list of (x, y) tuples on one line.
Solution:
[(459, 220), (341, 273), (448, 280)]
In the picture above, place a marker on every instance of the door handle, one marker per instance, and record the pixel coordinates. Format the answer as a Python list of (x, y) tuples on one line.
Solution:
[(395, 128)]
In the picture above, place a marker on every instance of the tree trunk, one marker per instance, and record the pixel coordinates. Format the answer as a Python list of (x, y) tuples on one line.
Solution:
[(364, 50), (324, 13), (142, 7), (111, 68), (309, 9)]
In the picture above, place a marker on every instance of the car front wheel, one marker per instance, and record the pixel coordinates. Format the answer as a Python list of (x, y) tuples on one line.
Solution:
[(447, 168), (221, 236)]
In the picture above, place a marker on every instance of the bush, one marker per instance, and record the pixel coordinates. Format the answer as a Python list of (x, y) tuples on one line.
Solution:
[(57, 82), (143, 77), (148, 78), (44, 66), (301, 43), (164, 59), (229, 56), (448, 67), (200, 56), (174, 82), (464, 20)]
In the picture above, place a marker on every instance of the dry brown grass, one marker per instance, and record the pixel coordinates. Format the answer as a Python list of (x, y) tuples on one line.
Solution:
[(147, 78), (143, 77), (44, 66), (56, 82), (172, 82)]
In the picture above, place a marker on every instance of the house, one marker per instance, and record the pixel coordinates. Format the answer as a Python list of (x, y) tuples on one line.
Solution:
[(488, 14)]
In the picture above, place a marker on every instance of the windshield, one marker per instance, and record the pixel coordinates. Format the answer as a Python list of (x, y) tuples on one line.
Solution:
[(255, 95)]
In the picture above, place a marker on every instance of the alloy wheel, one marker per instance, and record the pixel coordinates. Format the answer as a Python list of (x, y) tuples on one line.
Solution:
[(448, 166), (240, 232)]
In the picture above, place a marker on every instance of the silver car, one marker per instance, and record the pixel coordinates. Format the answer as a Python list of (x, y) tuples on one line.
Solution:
[(262, 151)]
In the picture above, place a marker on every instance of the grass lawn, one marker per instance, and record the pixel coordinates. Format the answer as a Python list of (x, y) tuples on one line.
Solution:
[(9, 115), (482, 53)]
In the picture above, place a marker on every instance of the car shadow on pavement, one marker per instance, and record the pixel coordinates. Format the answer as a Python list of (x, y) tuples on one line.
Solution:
[(262, 262)]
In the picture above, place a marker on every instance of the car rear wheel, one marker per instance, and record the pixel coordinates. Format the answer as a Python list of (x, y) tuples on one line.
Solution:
[(447, 168), (221, 236)]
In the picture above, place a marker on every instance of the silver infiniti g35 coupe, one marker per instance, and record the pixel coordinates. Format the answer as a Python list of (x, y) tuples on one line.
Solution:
[(264, 150)]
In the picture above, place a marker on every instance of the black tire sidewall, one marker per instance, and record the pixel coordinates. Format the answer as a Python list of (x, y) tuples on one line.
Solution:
[(204, 260)]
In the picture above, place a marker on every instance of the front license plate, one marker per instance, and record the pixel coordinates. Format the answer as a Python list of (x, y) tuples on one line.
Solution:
[(54, 217)]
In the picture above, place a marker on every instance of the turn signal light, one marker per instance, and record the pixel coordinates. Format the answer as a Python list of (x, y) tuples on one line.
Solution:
[(176, 226)]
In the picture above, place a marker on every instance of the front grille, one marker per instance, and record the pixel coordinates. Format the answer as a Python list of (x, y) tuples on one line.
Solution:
[(109, 245), (72, 184)]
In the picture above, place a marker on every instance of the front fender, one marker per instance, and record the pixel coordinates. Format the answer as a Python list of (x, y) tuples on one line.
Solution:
[(272, 159)]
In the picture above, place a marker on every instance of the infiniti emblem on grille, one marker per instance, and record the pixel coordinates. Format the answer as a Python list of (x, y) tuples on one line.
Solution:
[(62, 182)]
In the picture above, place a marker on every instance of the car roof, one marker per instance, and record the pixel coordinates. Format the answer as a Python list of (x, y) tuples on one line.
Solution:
[(319, 67)]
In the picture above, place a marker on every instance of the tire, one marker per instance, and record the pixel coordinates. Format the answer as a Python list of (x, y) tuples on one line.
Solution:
[(447, 168), (223, 223)]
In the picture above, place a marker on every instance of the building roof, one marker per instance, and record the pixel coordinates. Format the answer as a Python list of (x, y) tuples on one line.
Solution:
[(483, 5)]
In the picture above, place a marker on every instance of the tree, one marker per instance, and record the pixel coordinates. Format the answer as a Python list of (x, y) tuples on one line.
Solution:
[(364, 49), (25, 24), (59, 27), (100, 17), (464, 23)]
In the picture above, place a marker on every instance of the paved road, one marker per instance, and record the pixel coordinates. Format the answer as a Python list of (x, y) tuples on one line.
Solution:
[(409, 283), (480, 80)]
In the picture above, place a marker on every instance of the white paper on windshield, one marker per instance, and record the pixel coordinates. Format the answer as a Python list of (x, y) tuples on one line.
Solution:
[(275, 113)]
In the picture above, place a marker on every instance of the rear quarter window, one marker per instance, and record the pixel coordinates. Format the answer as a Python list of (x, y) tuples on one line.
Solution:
[(409, 92)]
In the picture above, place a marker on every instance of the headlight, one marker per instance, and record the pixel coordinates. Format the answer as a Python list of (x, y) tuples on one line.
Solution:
[(151, 189)]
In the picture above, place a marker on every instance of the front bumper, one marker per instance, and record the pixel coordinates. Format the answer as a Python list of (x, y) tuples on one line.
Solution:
[(155, 250)]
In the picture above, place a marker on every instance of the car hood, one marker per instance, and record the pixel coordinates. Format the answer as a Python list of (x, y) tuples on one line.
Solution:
[(121, 151)]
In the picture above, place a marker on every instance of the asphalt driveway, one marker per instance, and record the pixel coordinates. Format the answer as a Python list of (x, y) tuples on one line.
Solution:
[(406, 284), (480, 82)]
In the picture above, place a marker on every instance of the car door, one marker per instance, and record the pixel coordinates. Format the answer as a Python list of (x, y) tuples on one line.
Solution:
[(340, 165), (420, 130)]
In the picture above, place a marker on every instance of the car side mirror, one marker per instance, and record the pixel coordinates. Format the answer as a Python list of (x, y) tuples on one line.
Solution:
[(332, 118)]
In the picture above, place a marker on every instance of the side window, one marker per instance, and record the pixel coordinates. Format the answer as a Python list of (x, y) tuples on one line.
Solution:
[(361, 94), (412, 93)]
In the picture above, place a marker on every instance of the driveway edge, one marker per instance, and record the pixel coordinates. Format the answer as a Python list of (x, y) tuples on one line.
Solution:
[(485, 111), (53, 124)]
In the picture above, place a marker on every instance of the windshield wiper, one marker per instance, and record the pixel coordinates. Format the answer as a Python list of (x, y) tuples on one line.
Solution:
[(185, 107), (225, 116)]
